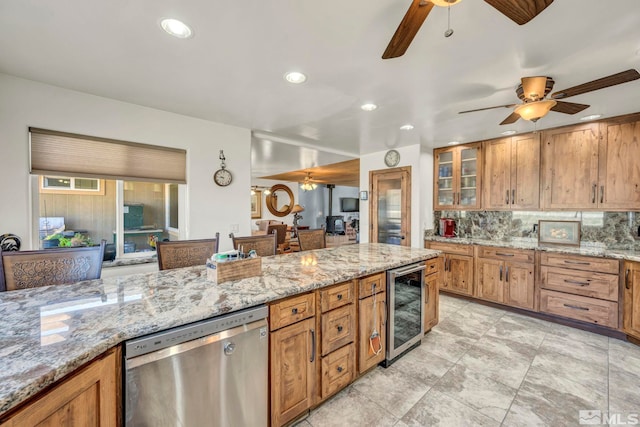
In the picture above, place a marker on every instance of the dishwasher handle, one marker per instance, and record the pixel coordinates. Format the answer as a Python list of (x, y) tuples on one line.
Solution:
[(147, 358)]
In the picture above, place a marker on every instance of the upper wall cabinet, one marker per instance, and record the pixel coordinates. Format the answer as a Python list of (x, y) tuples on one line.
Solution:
[(458, 177), (512, 173)]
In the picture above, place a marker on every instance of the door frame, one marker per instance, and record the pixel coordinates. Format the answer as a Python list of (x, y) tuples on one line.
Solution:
[(404, 173)]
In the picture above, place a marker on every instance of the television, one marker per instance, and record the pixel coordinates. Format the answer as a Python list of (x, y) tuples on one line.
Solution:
[(349, 204)]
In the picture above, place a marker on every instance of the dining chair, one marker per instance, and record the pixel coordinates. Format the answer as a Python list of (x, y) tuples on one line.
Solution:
[(186, 253), (281, 237), (264, 245), (59, 266), (312, 239)]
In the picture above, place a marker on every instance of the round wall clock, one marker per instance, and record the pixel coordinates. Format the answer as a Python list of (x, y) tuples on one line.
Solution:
[(222, 177), (392, 158)]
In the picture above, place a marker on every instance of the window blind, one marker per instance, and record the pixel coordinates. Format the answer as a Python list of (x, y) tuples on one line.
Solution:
[(67, 154)]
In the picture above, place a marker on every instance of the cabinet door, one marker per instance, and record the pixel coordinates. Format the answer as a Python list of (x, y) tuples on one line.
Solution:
[(457, 177), (497, 174), (619, 175), (88, 398), (525, 171), (519, 285), (445, 180), (460, 274), (293, 358), (490, 277), (367, 355), (632, 299), (469, 177), (431, 301), (570, 167)]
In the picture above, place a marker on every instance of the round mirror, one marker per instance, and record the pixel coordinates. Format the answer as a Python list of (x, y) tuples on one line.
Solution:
[(280, 201)]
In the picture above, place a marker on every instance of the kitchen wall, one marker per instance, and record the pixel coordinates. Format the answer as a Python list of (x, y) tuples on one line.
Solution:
[(616, 230), (209, 208)]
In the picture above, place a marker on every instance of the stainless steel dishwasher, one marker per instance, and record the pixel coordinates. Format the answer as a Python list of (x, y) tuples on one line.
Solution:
[(209, 373)]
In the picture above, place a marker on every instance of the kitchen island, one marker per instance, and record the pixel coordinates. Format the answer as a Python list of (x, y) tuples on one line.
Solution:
[(50, 332)]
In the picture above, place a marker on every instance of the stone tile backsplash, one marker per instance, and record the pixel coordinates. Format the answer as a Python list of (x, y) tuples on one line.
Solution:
[(617, 230)]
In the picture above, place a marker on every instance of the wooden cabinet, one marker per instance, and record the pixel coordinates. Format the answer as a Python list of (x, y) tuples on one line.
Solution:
[(511, 174), (580, 288), (457, 177), (292, 354), (631, 300), (372, 309), (89, 397), (457, 271), (506, 276), (619, 170), (431, 282)]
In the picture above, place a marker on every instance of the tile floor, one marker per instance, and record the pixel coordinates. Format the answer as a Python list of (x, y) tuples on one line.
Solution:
[(483, 366)]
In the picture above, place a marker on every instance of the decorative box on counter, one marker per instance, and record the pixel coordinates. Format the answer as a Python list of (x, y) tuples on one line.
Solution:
[(219, 272)]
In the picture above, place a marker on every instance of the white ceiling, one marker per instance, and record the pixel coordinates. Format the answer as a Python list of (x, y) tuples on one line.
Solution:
[(231, 70)]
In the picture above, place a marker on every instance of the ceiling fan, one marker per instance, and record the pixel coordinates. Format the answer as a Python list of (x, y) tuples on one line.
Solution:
[(533, 90), (519, 11)]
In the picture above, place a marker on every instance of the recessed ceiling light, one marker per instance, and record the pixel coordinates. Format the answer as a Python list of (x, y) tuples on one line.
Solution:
[(295, 77), (176, 28), (590, 117), (508, 132), (368, 107), (453, 143), (406, 127)]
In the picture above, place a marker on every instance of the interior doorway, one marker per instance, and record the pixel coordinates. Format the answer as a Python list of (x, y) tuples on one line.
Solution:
[(390, 208)]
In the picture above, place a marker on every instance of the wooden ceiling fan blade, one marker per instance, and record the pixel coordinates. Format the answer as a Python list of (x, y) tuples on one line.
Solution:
[(488, 108), (520, 11), (408, 28), (612, 80), (513, 117), (569, 107)]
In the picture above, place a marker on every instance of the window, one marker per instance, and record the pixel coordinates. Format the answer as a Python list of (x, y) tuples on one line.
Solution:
[(58, 184)]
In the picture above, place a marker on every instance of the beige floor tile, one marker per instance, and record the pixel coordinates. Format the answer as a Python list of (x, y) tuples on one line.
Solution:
[(440, 410), (350, 408), (423, 365)]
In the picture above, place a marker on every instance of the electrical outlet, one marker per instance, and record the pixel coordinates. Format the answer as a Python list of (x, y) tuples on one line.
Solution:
[(234, 228)]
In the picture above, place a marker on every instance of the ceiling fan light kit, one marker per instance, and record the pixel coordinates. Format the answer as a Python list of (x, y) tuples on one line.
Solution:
[(445, 3), (307, 185), (534, 110)]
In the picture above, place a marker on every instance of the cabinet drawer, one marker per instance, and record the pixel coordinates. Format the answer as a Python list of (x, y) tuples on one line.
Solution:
[(596, 285), (338, 328), (291, 310), (451, 248), (365, 284), (577, 262), (577, 307), (336, 296), (433, 266), (511, 255), (338, 370)]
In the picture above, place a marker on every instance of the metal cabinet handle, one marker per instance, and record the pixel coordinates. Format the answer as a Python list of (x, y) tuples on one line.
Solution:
[(313, 345), (339, 296), (593, 193), (501, 273), (426, 293), (513, 196), (339, 328), (626, 279), (384, 316), (568, 261), (449, 264), (340, 369), (503, 254), (445, 263), (507, 199), (506, 275), (601, 194), (575, 282), (576, 307), (294, 311)]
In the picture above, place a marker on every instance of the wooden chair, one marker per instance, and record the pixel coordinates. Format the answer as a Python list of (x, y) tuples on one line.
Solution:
[(264, 245), (312, 239), (281, 237), (32, 269), (186, 253)]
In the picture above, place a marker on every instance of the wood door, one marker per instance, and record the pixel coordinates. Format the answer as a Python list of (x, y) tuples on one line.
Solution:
[(460, 269), (367, 356), (619, 175), (497, 174), (445, 179), (631, 309), (292, 366), (431, 309), (490, 277), (87, 398), (390, 207), (525, 171), (519, 285), (570, 167)]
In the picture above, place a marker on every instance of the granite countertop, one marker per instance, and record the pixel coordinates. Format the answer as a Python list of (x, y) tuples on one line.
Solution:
[(586, 249), (48, 332)]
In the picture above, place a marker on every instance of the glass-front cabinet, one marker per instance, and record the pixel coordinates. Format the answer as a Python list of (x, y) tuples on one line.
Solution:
[(457, 177)]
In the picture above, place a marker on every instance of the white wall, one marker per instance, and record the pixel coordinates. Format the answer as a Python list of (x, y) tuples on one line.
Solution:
[(210, 208), (426, 190), (409, 156)]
